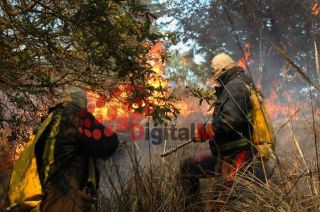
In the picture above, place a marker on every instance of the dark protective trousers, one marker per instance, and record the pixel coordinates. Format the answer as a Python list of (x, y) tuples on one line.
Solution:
[(207, 165)]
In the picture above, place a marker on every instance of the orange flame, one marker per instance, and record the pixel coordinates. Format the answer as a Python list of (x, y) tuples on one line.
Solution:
[(315, 10), (106, 109), (156, 79), (115, 106), (190, 105), (243, 62), (278, 110)]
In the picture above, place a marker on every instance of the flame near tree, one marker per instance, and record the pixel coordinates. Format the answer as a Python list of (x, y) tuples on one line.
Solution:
[(127, 100), (117, 106), (244, 62), (276, 109)]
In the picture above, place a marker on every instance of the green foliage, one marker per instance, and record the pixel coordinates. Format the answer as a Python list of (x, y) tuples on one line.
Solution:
[(202, 94), (181, 67), (207, 22), (46, 46)]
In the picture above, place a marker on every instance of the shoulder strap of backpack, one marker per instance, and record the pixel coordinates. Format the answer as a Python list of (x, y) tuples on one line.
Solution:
[(48, 152)]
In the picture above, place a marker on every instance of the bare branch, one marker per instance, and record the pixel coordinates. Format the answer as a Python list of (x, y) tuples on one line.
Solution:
[(297, 68)]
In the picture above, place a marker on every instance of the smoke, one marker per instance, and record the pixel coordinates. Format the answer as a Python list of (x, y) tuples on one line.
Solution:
[(144, 153)]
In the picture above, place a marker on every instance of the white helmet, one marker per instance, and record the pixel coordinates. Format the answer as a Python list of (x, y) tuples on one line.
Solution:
[(221, 63)]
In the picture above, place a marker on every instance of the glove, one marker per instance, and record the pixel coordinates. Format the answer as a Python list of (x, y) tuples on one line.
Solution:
[(203, 132)]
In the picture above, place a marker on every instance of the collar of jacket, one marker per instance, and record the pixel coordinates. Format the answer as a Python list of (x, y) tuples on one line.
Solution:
[(227, 76)]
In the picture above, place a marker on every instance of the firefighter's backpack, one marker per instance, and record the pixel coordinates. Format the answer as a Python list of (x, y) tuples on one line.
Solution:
[(25, 191)]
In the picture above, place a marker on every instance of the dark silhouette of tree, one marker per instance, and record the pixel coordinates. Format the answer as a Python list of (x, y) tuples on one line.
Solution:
[(221, 25)]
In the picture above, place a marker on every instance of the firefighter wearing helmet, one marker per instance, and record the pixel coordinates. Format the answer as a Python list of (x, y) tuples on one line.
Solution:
[(229, 133)]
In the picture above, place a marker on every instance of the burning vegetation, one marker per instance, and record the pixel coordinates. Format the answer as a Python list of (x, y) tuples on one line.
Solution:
[(152, 96)]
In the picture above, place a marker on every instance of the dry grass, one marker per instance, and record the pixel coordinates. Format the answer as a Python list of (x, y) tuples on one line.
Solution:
[(156, 189), (294, 185), (142, 181)]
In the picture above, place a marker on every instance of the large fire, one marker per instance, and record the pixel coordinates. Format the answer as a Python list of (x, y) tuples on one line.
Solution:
[(116, 105)]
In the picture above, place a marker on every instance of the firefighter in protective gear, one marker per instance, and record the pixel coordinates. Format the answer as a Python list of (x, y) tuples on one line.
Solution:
[(228, 133), (65, 147)]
